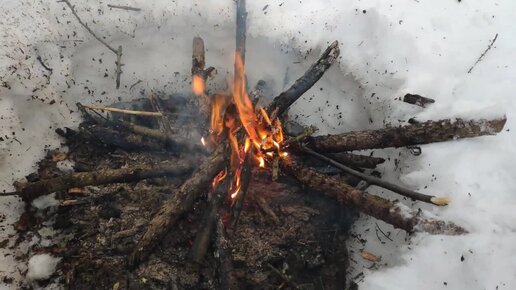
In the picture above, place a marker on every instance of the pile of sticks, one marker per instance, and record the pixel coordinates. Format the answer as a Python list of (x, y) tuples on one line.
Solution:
[(332, 149)]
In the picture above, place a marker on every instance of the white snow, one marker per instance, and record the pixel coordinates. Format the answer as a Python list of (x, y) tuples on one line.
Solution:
[(388, 47), (42, 266)]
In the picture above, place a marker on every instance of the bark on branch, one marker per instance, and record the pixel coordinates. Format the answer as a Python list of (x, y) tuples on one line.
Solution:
[(30, 191), (375, 206), (415, 134)]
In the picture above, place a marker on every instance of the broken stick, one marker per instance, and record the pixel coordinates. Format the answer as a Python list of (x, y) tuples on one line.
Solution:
[(375, 206), (414, 134)]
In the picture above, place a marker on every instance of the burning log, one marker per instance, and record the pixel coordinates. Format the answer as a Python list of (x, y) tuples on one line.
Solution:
[(414, 134), (178, 205), (30, 191), (382, 183), (280, 103), (375, 206)]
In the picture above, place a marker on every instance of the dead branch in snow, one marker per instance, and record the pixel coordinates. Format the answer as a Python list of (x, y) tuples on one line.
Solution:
[(117, 52), (483, 54), (129, 8)]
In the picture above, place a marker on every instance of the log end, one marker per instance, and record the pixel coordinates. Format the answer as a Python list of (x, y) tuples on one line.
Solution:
[(496, 125), (440, 200)]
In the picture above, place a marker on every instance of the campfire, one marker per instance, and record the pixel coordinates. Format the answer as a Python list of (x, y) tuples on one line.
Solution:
[(245, 147)]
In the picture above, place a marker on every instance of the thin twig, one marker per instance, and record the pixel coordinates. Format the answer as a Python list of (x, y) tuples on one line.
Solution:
[(283, 276), (375, 181), (124, 7), (129, 112), (72, 8), (117, 52), (483, 54), (43, 64)]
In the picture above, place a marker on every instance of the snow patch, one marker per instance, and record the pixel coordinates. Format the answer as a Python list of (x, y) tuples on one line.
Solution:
[(42, 266)]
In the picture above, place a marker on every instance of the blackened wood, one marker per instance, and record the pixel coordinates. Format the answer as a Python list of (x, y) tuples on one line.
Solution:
[(127, 141), (241, 28), (245, 180), (30, 191), (379, 182), (375, 206), (203, 236), (414, 134), (198, 64), (357, 160), (417, 100), (227, 279), (282, 102), (180, 203)]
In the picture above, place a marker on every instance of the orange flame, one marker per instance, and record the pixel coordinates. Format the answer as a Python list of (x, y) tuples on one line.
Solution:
[(217, 108), (198, 85), (222, 174), (242, 101)]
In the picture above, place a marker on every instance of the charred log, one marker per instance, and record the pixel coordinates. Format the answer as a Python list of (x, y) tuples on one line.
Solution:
[(202, 239), (375, 206), (414, 134), (282, 102), (227, 279)]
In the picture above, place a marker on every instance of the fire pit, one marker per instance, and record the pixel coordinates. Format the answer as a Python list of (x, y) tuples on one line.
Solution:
[(246, 206)]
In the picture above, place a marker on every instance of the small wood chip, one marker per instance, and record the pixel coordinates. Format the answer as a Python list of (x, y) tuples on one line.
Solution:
[(58, 156), (369, 256)]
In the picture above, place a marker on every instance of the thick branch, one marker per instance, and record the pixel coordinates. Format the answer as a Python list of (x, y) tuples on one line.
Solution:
[(178, 205), (415, 134), (282, 102), (33, 190), (375, 206)]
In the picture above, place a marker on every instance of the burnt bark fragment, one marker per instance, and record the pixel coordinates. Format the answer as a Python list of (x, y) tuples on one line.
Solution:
[(414, 134), (417, 100)]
